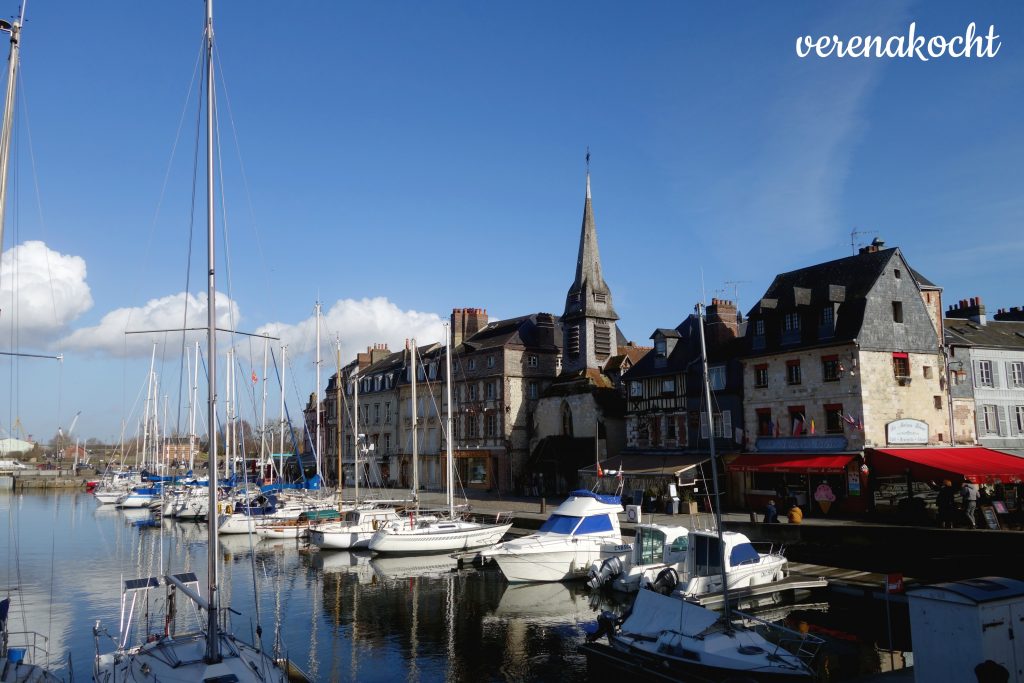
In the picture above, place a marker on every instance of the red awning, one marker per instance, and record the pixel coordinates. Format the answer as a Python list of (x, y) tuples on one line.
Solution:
[(980, 465), (790, 462)]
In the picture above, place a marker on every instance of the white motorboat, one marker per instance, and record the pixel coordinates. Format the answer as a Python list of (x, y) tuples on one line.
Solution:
[(447, 535), (691, 557), (672, 638), (354, 531), (582, 530), (655, 548), (139, 497)]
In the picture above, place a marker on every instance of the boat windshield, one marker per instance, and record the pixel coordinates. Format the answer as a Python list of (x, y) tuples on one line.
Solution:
[(744, 553), (569, 525)]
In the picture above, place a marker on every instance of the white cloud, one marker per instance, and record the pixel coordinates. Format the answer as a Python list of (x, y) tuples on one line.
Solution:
[(166, 313), (359, 323), (41, 291)]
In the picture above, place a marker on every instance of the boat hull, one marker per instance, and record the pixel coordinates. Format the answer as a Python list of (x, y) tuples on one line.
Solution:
[(441, 540), (564, 561)]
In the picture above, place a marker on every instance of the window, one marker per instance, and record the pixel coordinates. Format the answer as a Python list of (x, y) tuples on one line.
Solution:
[(433, 371), (765, 426), (472, 391), (761, 375), (387, 412), (830, 368), (476, 470), (659, 347), (670, 427), (721, 422), (1018, 419), (531, 360), (834, 422), (985, 373), (1016, 374), (472, 427), (937, 400), (897, 311), (927, 372), (387, 442), (533, 390), (376, 383), (792, 372), (491, 425), (901, 365), (791, 322), (798, 423), (668, 386), (490, 361), (759, 328), (828, 317), (989, 419), (716, 377), (376, 413), (472, 364), (490, 390), (896, 273), (636, 389)]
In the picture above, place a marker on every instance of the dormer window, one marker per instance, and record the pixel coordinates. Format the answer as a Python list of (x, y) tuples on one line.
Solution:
[(716, 377), (759, 328), (660, 346), (531, 360), (472, 363), (791, 322), (490, 361)]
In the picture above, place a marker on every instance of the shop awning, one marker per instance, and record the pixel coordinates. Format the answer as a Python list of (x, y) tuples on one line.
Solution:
[(980, 465), (649, 465), (792, 462)]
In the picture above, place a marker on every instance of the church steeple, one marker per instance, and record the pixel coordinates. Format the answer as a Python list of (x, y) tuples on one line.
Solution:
[(588, 323), (589, 295)]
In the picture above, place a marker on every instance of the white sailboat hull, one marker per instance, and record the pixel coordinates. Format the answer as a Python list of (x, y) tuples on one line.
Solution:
[(442, 537)]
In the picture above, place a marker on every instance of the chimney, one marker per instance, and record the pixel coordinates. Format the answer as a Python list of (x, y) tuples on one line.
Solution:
[(969, 309), (545, 330), (466, 322), (1014, 313), (875, 246), (722, 321)]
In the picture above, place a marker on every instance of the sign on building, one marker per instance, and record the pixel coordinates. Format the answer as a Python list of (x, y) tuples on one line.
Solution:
[(907, 431)]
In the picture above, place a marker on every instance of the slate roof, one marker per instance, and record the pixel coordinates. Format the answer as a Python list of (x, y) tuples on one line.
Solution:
[(519, 331), (686, 351), (994, 334)]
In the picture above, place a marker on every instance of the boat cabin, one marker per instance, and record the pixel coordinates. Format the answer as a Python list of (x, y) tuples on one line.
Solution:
[(657, 544)]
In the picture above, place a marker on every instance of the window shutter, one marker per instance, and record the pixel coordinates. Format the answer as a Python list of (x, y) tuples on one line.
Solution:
[(704, 425), (727, 423), (995, 375), (979, 420), (1001, 416), (977, 374)]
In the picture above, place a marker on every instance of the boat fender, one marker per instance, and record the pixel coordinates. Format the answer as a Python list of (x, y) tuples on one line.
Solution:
[(666, 581), (220, 508), (376, 524), (227, 509)]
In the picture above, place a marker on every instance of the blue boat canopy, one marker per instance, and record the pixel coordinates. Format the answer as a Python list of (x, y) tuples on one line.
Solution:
[(600, 497)]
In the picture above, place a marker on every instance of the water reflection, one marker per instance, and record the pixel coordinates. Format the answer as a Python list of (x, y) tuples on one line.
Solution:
[(349, 616)]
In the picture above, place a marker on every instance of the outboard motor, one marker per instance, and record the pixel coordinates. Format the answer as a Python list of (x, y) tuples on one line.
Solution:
[(666, 581), (606, 623), (610, 568)]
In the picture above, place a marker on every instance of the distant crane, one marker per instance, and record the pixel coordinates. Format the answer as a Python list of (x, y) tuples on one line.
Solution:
[(853, 238), (61, 437)]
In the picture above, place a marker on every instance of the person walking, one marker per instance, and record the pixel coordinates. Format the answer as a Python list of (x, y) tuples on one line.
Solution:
[(969, 497), (771, 515), (944, 501)]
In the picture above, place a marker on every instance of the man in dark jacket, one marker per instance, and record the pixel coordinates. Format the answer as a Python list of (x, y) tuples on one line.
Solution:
[(771, 515)]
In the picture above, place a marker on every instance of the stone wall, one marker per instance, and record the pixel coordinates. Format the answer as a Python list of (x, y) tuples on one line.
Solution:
[(886, 399)]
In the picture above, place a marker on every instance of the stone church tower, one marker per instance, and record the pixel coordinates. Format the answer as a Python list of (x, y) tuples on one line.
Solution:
[(588, 323)]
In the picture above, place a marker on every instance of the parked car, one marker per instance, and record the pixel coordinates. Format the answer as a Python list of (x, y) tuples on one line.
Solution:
[(12, 465)]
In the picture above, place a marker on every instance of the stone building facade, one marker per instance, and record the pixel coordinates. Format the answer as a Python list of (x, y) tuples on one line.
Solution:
[(988, 383)]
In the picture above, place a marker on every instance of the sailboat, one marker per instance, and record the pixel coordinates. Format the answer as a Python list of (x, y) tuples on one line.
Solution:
[(17, 659), (446, 535), (212, 653), (678, 640)]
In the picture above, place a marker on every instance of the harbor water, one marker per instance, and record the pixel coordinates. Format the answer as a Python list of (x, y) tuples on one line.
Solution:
[(348, 616)]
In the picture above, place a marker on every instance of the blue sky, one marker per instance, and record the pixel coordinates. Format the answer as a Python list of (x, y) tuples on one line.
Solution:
[(401, 159)]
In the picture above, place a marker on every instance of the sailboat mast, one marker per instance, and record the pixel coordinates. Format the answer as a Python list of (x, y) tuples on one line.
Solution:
[(213, 613), (337, 414), (355, 432), (263, 416), (8, 122), (415, 429), (449, 469), (284, 372), (318, 436), (714, 466)]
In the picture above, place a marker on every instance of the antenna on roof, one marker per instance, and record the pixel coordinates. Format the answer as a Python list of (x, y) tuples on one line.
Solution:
[(736, 290), (853, 238)]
